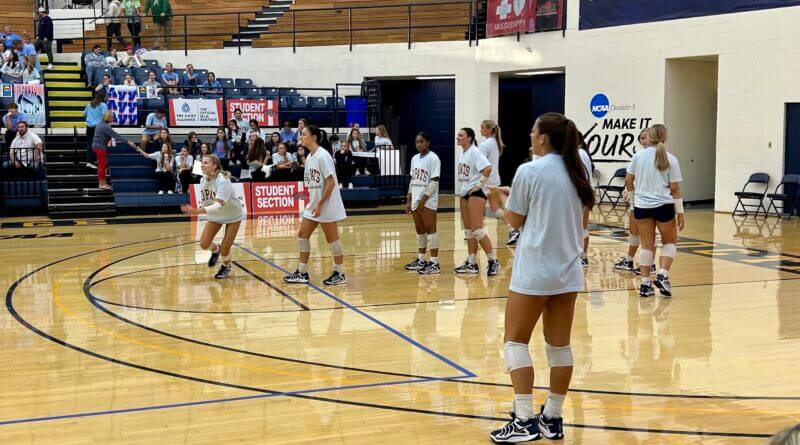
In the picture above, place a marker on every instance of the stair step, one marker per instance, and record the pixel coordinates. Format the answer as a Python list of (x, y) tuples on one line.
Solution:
[(67, 103), (92, 191), (56, 113), (234, 43), (54, 201), (66, 75), (65, 69), (67, 124), (63, 84), (71, 93)]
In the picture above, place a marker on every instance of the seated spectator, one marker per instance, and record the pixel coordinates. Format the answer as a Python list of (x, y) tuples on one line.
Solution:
[(211, 85), (153, 125), (221, 148), (257, 158), (190, 80), (237, 134), (10, 122), (103, 86), (152, 85), (287, 134), (27, 50), (274, 140), (344, 164), (184, 163), (111, 61), (382, 139), (8, 36), (5, 51), (129, 82), (169, 78), (12, 68), (255, 129), (283, 162), (299, 163), (165, 168), (241, 122), (336, 144), (192, 143), (94, 63), (357, 144), (205, 150), (164, 137), (26, 150), (130, 59)]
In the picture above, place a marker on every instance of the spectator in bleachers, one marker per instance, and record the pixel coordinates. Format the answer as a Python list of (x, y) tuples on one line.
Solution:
[(336, 144), (45, 36), (26, 149), (12, 68), (102, 136), (113, 23), (212, 86), (344, 165), (241, 122), (112, 60), (170, 78), (382, 138), (184, 163), (287, 134), (299, 163), (164, 137), (153, 125), (133, 12), (165, 168), (152, 84), (5, 51), (94, 112), (30, 75), (300, 125), (103, 86), (161, 11), (94, 63), (130, 59), (8, 36), (10, 122), (274, 140), (27, 50), (205, 149), (254, 128), (237, 134), (284, 163), (257, 157), (221, 147), (192, 143), (357, 144), (190, 80), (129, 81)]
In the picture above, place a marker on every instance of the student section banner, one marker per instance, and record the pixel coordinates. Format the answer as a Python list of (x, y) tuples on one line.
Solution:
[(195, 112), (512, 16), (264, 111), (122, 102), (265, 198), (30, 99), (604, 13)]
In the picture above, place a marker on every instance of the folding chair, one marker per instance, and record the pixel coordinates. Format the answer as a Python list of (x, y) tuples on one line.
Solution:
[(755, 178), (785, 197), (612, 194)]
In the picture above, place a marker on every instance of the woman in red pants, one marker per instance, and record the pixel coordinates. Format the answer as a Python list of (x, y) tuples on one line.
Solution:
[(102, 135)]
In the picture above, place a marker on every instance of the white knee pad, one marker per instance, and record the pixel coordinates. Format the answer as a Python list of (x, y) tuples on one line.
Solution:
[(467, 234), (433, 241), (499, 213), (478, 234), (634, 240), (336, 248), (303, 245), (517, 356), (558, 355), (422, 241), (646, 257), (669, 250), (585, 233)]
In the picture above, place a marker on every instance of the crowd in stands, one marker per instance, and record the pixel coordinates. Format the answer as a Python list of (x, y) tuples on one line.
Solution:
[(20, 54)]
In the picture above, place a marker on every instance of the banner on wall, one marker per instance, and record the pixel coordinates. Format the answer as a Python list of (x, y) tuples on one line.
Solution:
[(7, 90), (512, 16), (264, 111), (195, 112), (122, 102), (614, 126), (604, 13), (30, 99), (549, 15)]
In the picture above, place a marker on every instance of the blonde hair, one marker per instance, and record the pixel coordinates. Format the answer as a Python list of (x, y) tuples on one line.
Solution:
[(657, 136), (218, 164), (789, 436), (108, 117), (490, 125)]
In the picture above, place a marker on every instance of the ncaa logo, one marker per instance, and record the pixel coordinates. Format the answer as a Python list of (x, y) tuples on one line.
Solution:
[(600, 105)]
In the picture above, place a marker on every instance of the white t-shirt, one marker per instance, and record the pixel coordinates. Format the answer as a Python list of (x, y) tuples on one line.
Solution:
[(470, 170), (159, 166), (547, 261), (222, 189), (188, 162), (587, 164), (319, 166), (383, 142), (651, 185), (30, 140), (491, 151), (423, 170)]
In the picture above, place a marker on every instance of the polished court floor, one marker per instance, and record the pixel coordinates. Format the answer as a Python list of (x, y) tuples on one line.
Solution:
[(114, 331)]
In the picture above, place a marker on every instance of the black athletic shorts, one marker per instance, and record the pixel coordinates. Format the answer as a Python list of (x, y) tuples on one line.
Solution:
[(479, 193), (663, 214)]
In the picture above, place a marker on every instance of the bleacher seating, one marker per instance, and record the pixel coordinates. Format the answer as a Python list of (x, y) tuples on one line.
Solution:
[(19, 14)]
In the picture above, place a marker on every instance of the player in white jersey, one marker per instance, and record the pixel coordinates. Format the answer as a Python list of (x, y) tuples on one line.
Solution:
[(626, 263), (325, 208), (498, 197), (492, 147), (658, 202), (473, 175), (547, 200), (586, 160), (218, 201), (422, 203)]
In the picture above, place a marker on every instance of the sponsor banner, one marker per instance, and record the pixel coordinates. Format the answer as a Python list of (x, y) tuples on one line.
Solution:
[(549, 15), (122, 102), (278, 197), (7, 90), (195, 112), (513, 16), (264, 111), (613, 128), (149, 92), (30, 99)]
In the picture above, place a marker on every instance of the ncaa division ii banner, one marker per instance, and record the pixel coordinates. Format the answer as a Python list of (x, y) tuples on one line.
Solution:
[(122, 102), (512, 16), (30, 99)]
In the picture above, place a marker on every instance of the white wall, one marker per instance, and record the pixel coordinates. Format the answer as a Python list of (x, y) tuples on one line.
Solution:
[(759, 64)]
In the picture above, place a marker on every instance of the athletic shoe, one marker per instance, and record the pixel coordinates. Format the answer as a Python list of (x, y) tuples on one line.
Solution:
[(624, 265), (663, 285), (646, 290), (224, 272), (513, 237), (335, 278), (638, 270), (92, 166), (49, 66), (584, 261), (467, 268), (161, 192), (430, 269), (552, 429), (214, 258), (517, 431), (296, 278), (416, 265), (493, 268)]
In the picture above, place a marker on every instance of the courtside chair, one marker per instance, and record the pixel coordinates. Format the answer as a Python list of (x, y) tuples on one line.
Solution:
[(752, 199), (611, 193), (788, 200)]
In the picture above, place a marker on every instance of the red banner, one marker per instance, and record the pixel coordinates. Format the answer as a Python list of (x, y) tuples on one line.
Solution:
[(264, 111), (513, 16), (277, 197)]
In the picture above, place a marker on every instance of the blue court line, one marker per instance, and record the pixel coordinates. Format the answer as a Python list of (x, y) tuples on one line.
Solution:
[(467, 373), (225, 400)]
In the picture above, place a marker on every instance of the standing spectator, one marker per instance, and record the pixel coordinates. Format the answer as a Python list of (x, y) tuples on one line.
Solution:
[(130, 59), (27, 50), (162, 18), (113, 25), (102, 136), (133, 12), (382, 139), (190, 80), (10, 121), (192, 143), (94, 112), (344, 165), (94, 63), (25, 144), (31, 75), (165, 168), (45, 36), (287, 134), (153, 125), (152, 85), (170, 79), (12, 68), (212, 86), (8, 36), (184, 163)]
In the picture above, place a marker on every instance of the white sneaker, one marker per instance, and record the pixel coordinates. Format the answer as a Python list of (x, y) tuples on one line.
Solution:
[(350, 186), (161, 192), (170, 192), (49, 66), (92, 166), (341, 186)]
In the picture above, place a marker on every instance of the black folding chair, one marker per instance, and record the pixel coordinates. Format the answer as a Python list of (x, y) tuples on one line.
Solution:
[(610, 193), (787, 196), (755, 178)]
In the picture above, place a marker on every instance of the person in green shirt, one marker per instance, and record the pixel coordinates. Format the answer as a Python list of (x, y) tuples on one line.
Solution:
[(161, 11), (133, 13)]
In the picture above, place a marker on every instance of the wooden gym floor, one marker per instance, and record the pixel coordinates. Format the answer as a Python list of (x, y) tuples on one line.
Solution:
[(114, 331)]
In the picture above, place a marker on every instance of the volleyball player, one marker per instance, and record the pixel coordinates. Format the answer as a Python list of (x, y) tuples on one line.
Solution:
[(586, 159), (656, 176), (222, 207), (324, 208), (473, 175), (547, 199), (422, 203), (626, 263), (492, 147)]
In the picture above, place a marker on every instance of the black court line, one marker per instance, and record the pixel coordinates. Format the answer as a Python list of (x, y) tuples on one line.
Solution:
[(271, 286)]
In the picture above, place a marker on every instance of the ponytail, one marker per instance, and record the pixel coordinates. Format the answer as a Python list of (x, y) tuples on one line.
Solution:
[(565, 139), (657, 135), (490, 125)]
